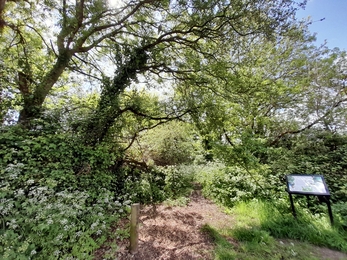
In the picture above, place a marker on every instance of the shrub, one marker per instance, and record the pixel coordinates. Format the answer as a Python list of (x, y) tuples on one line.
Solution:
[(159, 183), (56, 195), (40, 222), (170, 144), (340, 213), (229, 185), (314, 152)]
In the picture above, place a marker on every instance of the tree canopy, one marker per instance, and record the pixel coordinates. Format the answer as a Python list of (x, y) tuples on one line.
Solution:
[(237, 68), (44, 45)]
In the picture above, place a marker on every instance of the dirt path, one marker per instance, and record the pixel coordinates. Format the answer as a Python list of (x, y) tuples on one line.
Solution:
[(175, 233)]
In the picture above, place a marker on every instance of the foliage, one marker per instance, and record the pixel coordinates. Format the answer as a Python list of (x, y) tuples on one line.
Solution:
[(314, 152), (247, 75), (51, 182), (50, 185), (179, 201), (159, 184), (340, 213), (226, 187), (173, 143), (229, 185), (48, 153), (178, 181), (273, 92), (148, 187), (321, 154), (56, 224), (137, 37)]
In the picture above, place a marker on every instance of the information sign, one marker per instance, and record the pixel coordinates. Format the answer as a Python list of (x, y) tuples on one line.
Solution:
[(308, 185)]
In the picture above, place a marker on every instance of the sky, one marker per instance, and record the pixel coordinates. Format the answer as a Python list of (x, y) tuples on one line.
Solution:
[(334, 27)]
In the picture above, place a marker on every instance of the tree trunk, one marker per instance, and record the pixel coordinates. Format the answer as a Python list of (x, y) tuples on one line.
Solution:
[(108, 109), (33, 103)]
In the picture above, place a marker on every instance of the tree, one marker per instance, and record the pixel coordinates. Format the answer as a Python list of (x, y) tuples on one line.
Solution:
[(146, 36), (270, 91)]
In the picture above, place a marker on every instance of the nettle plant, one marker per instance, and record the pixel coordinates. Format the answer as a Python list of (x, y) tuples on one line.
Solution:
[(38, 222)]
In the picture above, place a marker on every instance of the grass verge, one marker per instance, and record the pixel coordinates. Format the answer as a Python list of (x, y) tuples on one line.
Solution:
[(277, 219), (268, 231), (229, 248)]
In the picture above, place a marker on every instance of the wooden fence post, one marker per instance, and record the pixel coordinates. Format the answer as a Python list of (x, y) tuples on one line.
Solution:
[(134, 232)]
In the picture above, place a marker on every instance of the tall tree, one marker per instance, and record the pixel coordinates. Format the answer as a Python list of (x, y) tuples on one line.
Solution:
[(140, 36), (269, 91)]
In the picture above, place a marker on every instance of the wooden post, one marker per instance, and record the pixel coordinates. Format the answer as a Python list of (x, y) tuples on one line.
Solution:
[(134, 234)]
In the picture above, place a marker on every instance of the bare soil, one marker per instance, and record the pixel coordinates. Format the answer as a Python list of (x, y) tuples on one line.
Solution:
[(175, 233)]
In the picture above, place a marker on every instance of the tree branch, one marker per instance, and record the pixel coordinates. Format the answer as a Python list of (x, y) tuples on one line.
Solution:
[(329, 111)]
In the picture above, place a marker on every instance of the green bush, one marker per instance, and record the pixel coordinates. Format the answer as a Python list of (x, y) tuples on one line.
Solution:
[(178, 181), (340, 213), (151, 187), (57, 198), (40, 222), (229, 185), (314, 152), (170, 144), (159, 183), (232, 185)]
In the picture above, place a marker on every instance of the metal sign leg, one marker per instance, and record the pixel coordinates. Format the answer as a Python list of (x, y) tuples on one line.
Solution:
[(330, 212), (292, 204)]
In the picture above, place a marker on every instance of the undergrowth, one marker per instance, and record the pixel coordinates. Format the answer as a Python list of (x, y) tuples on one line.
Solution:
[(59, 198)]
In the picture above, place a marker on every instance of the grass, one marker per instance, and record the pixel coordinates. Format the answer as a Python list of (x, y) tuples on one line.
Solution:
[(277, 219), (251, 249), (268, 231)]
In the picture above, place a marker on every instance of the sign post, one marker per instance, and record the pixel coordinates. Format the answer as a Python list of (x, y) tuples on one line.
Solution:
[(313, 185)]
